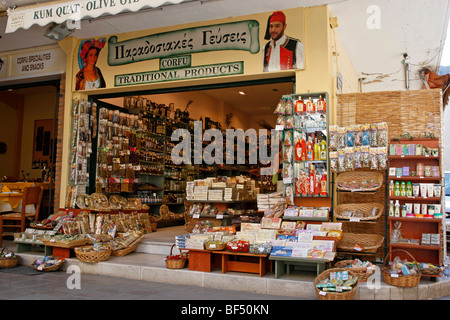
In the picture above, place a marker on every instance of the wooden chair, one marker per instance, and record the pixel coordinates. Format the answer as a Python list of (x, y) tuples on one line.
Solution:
[(31, 196)]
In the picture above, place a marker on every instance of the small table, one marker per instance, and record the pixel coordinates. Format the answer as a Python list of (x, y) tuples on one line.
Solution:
[(255, 263), (283, 264), (10, 201)]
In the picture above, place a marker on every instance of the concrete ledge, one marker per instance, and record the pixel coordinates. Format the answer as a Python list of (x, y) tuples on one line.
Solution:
[(151, 267)]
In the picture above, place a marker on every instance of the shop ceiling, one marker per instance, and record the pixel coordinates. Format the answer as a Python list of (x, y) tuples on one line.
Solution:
[(375, 33)]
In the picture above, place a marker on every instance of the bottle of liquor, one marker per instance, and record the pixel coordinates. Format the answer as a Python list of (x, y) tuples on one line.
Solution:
[(323, 184), (309, 150), (303, 148), (323, 149), (321, 105), (300, 106), (298, 151), (310, 106), (312, 180)]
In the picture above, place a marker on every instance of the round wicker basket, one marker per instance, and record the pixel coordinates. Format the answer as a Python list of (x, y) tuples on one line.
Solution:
[(9, 262), (369, 243), (359, 181), (366, 209), (403, 281), (362, 272), (176, 263), (55, 267), (334, 295), (92, 256)]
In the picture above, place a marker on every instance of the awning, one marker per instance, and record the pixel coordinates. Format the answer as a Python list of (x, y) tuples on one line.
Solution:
[(59, 12)]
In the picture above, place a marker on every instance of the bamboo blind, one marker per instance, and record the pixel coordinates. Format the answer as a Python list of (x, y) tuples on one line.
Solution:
[(414, 112)]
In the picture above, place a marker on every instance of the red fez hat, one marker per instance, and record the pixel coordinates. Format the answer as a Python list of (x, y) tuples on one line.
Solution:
[(278, 16)]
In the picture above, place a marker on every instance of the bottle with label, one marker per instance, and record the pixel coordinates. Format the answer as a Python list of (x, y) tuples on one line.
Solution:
[(397, 189), (391, 209), (309, 150), (397, 209), (298, 151), (312, 180), (303, 148), (316, 150), (321, 105), (310, 106), (323, 149), (300, 106), (403, 189), (391, 188), (409, 189), (323, 184)]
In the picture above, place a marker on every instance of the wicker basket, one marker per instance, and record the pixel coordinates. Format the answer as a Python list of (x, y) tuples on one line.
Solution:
[(408, 281), (369, 243), (362, 272), (127, 250), (365, 208), (215, 247), (55, 267), (359, 181), (176, 263), (8, 262), (92, 256), (334, 295), (64, 244)]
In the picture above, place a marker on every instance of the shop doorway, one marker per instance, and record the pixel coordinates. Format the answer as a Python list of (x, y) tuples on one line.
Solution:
[(28, 136), (240, 105)]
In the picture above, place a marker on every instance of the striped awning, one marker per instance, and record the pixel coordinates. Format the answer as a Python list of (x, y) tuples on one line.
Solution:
[(72, 11)]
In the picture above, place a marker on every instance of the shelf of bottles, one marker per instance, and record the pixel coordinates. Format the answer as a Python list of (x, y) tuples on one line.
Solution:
[(303, 126)]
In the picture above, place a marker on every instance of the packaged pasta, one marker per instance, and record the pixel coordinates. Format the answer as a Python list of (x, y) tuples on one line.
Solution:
[(289, 122), (280, 109), (365, 156), (382, 158), (374, 158), (365, 141), (341, 160), (373, 135), (349, 158), (334, 161), (357, 130), (382, 134), (357, 158), (350, 141), (288, 137)]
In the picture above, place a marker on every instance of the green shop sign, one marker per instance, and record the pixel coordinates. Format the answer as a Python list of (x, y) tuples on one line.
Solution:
[(214, 70), (242, 35)]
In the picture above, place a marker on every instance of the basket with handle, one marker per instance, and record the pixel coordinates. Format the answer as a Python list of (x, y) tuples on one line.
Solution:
[(404, 281), (8, 262), (321, 295), (176, 262)]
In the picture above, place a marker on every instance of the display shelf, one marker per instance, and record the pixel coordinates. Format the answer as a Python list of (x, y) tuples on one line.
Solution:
[(318, 219), (422, 157)]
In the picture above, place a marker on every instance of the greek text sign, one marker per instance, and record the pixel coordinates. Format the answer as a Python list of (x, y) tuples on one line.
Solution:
[(215, 70), (243, 35)]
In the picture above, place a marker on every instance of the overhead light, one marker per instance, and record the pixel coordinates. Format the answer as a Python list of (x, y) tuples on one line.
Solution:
[(58, 31), (242, 93)]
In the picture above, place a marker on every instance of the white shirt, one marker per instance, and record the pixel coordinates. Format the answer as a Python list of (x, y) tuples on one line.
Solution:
[(274, 59), (92, 84)]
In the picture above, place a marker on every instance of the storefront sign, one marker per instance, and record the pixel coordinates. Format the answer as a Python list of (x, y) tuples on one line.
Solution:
[(223, 69), (175, 62), (59, 12), (36, 62), (243, 35)]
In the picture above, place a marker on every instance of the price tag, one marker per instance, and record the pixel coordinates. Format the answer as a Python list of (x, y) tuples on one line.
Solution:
[(196, 216), (322, 293), (219, 216), (354, 219), (212, 245), (279, 127), (394, 275)]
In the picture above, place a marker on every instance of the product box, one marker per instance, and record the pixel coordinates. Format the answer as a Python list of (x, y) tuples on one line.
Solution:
[(281, 251)]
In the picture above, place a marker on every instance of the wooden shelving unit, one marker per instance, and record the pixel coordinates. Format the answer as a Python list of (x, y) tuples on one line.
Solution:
[(414, 226)]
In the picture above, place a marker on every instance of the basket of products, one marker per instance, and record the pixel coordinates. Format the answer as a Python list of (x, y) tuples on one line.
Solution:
[(401, 273), (64, 240), (124, 245), (238, 246), (336, 284), (215, 245), (95, 253), (359, 181), (176, 261), (47, 264), (8, 259), (260, 248), (362, 269), (360, 211), (430, 269), (363, 243)]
